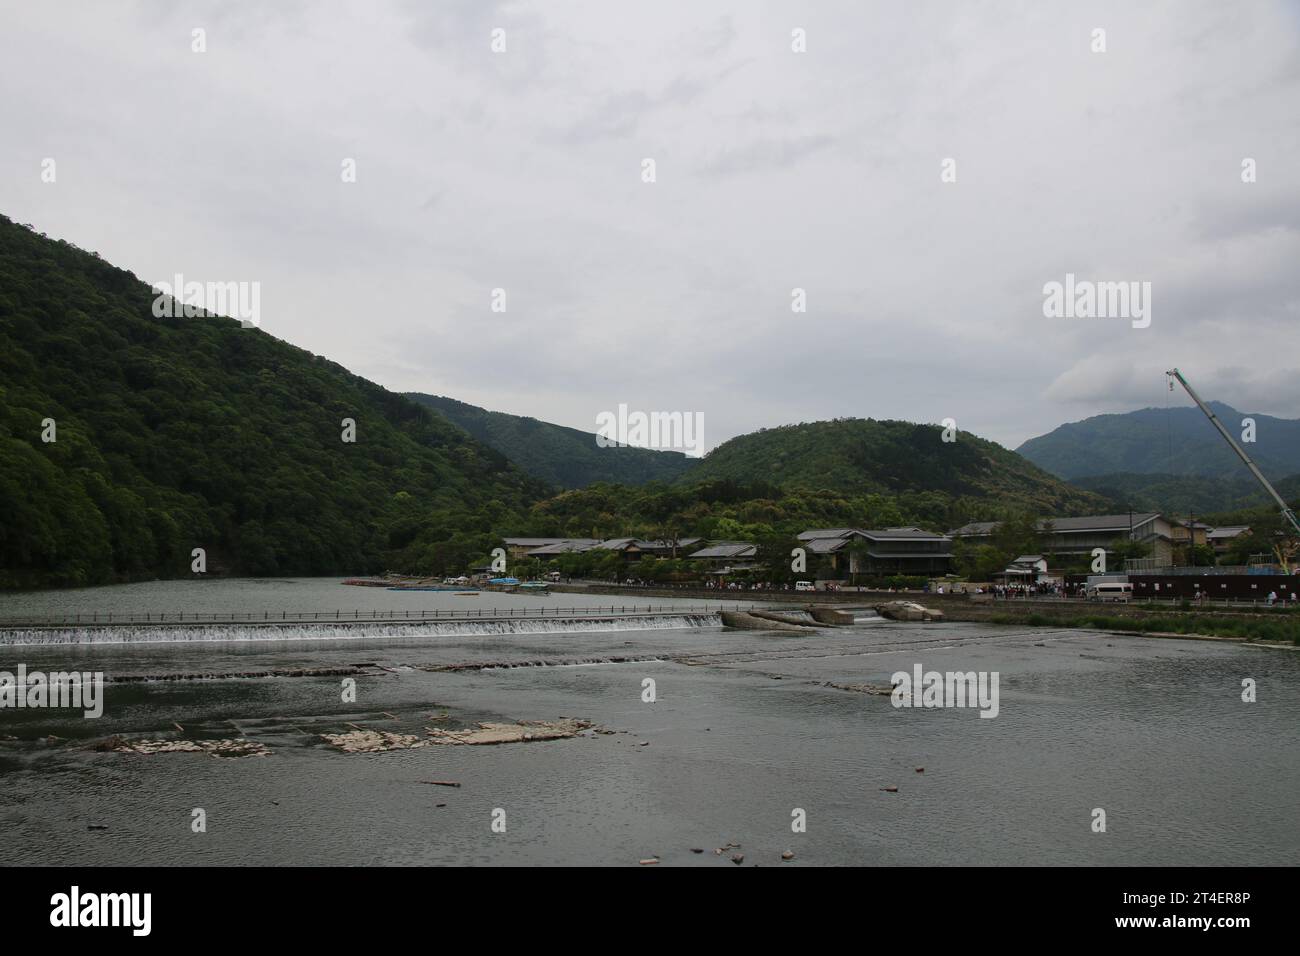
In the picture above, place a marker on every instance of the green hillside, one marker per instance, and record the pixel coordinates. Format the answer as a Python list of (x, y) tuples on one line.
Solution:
[(180, 433), (1178, 440), (1183, 494), (864, 456), (560, 456)]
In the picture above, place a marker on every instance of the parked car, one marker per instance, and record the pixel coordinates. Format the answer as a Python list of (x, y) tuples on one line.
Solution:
[(804, 586)]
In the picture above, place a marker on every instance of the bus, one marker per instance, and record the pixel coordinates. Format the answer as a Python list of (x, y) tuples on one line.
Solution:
[(1110, 591)]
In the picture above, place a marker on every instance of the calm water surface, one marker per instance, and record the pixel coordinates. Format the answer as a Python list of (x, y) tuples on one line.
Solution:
[(743, 731)]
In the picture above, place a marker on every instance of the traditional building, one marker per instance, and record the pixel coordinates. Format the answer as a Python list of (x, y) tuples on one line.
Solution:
[(1186, 529), (518, 547), (634, 549), (877, 552), (727, 557), (1082, 535), (563, 546), (1222, 538)]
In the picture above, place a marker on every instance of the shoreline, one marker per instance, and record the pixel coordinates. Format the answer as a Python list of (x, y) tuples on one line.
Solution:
[(1264, 626)]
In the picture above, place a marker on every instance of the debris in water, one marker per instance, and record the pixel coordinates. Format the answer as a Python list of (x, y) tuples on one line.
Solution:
[(498, 733), (697, 849), (373, 741), (738, 858), (649, 861), (889, 789), (920, 770), (96, 826), (213, 748), (788, 855), (441, 783)]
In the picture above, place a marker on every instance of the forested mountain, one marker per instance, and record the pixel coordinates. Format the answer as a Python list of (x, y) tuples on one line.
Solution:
[(181, 433), (863, 456), (560, 456), (1178, 440), (172, 434), (1185, 494)]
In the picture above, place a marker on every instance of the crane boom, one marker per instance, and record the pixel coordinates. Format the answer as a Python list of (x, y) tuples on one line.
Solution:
[(1287, 513)]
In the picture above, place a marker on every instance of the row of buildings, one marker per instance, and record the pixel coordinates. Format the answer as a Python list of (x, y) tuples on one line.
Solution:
[(843, 553)]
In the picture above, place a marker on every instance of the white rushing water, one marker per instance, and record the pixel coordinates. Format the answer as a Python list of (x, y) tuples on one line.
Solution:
[(181, 634)]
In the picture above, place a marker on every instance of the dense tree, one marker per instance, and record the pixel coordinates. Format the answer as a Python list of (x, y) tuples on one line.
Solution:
[(177, 433)]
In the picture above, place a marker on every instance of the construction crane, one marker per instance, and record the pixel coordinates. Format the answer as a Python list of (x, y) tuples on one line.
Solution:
[(1287, 513)]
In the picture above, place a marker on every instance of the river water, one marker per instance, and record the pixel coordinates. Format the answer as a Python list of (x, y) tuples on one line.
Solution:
[(744, 731)]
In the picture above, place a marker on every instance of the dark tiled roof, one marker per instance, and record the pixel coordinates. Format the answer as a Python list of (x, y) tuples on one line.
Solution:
[(826, 545), (975, 527), (876, 534), (665, 545), (901, 534), (1069, 525), (1228, 531), (735, 549), (564, 547), (1099, 522)]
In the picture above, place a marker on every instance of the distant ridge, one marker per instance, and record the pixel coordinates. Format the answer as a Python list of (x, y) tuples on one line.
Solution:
[(561, 456), (1178, 440)]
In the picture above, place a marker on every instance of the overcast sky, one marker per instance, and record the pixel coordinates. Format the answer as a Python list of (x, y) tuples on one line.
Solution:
[(775, 170)]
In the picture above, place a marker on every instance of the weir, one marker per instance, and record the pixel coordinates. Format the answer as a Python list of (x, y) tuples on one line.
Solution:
[(350, 630)]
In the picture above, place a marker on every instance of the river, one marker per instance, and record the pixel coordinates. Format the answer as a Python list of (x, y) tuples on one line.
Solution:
[(747, 733)]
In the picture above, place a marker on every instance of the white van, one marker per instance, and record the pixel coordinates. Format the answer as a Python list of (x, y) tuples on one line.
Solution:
[(804, 586), (1111, 591)]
